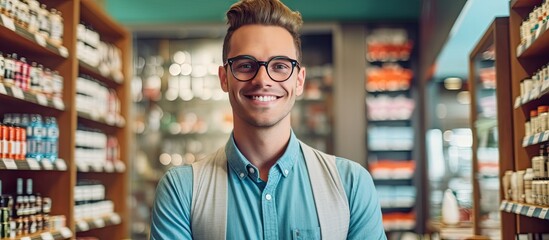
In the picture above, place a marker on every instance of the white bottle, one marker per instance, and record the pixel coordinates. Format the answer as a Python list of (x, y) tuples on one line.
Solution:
[(450, 208)]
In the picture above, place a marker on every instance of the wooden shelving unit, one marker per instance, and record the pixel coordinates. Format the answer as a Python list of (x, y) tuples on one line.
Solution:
[(526, 58), (59, 179), (491, 55)]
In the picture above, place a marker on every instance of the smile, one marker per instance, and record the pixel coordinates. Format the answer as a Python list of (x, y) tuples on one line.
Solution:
[(263, 98)]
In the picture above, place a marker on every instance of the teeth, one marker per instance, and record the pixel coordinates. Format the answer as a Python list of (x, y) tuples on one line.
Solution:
[(264, 98)]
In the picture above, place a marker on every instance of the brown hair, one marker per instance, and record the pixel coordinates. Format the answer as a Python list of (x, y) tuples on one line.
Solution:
[(264, 12)]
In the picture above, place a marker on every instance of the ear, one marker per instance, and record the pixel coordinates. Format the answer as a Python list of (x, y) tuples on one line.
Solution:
[(300, 81), (222, 73)]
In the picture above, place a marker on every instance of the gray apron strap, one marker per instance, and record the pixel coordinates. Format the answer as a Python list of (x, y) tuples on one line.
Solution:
[(330, 197), (209, 201)]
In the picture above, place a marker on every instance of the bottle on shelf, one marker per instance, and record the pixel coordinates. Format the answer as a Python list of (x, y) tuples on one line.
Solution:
[(6, 204), (35, 138), (51, 139), (2, 66)]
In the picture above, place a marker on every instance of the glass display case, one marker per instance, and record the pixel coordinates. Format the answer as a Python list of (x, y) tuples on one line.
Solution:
[(490, 121)]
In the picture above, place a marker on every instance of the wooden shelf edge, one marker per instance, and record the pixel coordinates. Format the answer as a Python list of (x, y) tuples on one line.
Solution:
[(88, 69), (32, 164), (116, 167), (524, 209), (121, 123), (101, 222), (524, 3), (39, 99)]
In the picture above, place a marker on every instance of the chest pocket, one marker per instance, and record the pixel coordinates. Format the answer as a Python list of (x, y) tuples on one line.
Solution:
[(306, 234)]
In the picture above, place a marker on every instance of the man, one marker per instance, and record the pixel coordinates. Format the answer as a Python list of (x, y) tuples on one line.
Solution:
[(265, 183)]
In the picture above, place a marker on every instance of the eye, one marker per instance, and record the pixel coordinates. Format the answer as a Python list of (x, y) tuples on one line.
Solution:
[(280, 65), (244, 66)]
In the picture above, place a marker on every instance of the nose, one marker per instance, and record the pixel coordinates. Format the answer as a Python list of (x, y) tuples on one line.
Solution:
[(262, 77)]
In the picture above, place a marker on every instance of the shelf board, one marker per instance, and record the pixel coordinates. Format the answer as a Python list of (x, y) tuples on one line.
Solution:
[(63, 233), (116, 167), (535, 139), (536, 46), (528, 210), (90, 224), (97, 74), (389, 91), (101, 120), (18, 94), (28, 41), (390, 150), (532, 95), (32, 164), (394, 182), (389, 120)]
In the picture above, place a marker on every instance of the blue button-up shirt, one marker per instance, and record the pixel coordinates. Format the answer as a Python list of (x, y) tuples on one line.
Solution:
[(281, 208)]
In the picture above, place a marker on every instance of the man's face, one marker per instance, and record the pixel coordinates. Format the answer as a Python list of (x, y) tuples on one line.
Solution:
[(262, 102)]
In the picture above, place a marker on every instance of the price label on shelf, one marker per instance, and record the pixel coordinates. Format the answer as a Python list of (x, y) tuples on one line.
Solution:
[(83, 226), (65, 232), (46, 236), (525, 141), (545, 137), (10, 164), (99, 222), (509, 207), (543, 213), (530, 212), (518, 209), (3, 89), (46, 164), (8, 22), (26, 238), (537, 138), (41, 99), (40, 39), (33, 164), (63, 51), (60, 164), (17, 92), (502, 206)]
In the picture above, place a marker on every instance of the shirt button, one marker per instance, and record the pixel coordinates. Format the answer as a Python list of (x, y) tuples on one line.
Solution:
[(251, 170), (242, 175), (268, 197), (286, 172)]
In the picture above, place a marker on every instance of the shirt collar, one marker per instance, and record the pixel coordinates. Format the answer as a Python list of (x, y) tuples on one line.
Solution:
[(239, 164)]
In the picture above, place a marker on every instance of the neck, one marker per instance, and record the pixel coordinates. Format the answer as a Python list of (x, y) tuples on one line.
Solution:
[(262, 146)]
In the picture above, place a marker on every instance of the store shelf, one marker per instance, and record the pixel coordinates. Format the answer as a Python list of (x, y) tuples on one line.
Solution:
[(32, 164), (105, 77), (116, 167), (108, 122), (535, 139), (535, 94), (528, 210), (63, 233), (17, 94), (24, 41), (536, 44), (90, 224)]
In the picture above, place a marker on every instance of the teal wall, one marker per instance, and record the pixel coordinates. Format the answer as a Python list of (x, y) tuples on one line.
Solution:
[(134, 12)]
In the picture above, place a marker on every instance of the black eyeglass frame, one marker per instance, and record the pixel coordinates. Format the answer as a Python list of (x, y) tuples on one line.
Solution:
[(230, 61)]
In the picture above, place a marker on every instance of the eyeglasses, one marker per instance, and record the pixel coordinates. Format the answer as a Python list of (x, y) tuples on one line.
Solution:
[(245, 68)]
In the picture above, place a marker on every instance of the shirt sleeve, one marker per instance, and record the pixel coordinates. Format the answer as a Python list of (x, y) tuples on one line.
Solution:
[(171, 208), (366, 221)]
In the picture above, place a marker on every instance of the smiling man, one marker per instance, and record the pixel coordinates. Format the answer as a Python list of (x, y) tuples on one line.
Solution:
[(265, 183)]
